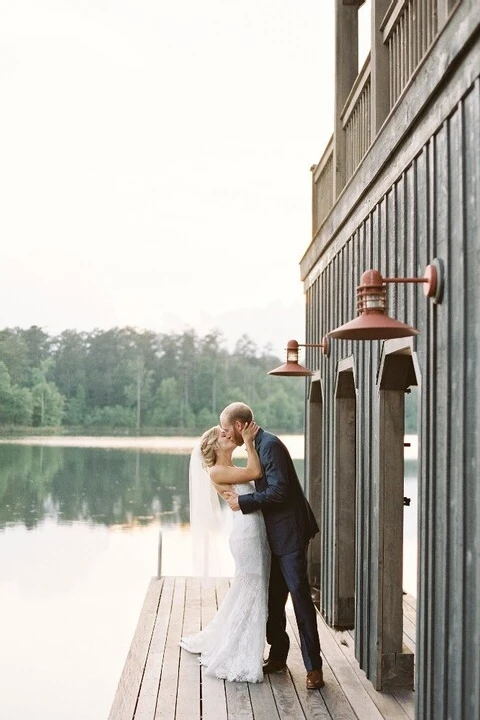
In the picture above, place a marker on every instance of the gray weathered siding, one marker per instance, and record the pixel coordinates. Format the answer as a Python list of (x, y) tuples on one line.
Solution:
[(431, 208)]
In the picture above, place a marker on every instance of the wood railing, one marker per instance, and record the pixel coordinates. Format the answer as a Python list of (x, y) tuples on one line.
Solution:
[(322, 187), (356, 120), (409, 28)]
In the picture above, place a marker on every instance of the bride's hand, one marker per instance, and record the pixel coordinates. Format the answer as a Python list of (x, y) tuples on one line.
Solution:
[(249, 432)]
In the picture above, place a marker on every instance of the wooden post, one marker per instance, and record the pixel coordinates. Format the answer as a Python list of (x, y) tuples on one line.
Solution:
[(314, 475), (393, 664), (346, 70), (344, 502), (379, 68)]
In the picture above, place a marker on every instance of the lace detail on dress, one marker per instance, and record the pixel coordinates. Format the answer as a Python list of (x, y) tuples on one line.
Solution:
[(231, 646)]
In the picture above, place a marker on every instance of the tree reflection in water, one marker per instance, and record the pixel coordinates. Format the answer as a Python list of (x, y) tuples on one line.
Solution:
[(99, 486)]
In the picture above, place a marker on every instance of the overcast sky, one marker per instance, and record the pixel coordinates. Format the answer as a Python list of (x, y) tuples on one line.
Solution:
[(155, 162)]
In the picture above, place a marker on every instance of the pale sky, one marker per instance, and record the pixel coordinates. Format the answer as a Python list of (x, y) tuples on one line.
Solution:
[(155, 162)]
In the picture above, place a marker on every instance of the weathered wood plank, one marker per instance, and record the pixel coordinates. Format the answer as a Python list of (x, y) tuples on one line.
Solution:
[(188, 700), (312, 702), (406, 698), (286, 700), (147, 698), (386, 703), (238, 701), (410, 602), (262, 700), (125, 699), (335, 701), (361, 703), (409, 633), (173, 686), (214, 703), (167, 693)]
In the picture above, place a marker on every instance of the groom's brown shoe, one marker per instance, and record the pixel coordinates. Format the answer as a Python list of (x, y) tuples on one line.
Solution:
[(315, 679), (271, 666)]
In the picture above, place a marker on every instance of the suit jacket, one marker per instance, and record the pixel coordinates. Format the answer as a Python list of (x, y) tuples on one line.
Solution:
[(288, 516)]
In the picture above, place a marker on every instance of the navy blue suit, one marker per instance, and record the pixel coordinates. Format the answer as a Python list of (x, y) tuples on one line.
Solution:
[(290, 525)]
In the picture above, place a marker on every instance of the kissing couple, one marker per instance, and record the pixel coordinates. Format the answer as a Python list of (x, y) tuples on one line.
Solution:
[(272, 527)]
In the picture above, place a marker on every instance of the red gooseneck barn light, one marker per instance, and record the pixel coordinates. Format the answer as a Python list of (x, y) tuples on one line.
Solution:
[(292, 367), (372, 322)]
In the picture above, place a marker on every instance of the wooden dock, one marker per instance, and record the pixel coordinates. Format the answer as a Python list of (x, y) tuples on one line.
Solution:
[(160, 681)]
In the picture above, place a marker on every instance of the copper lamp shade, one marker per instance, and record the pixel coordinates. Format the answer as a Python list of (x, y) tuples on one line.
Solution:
[(292, 367), (372, 322), (373, 326)]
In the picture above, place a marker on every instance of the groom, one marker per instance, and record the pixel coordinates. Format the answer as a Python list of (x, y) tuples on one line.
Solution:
[(290, 525)]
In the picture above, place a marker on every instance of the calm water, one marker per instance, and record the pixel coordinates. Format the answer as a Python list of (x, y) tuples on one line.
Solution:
[(78, 545), (79, 532)]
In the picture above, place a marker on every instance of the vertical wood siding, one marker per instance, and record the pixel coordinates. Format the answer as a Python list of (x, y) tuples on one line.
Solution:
[(432, 210)]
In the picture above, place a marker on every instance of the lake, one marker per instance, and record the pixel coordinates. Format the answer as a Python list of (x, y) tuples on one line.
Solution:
[(79, 530)]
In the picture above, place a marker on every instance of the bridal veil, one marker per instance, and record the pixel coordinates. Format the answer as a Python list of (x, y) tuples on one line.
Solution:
[(210, 556)]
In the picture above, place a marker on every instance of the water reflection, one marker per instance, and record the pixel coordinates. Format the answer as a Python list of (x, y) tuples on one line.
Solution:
[(106, 487), (73, 581)]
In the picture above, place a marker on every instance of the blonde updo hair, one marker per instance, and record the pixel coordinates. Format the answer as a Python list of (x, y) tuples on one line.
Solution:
[(209, 446)]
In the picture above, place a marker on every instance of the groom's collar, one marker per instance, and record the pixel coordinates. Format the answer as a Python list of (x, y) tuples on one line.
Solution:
[(258, 436)]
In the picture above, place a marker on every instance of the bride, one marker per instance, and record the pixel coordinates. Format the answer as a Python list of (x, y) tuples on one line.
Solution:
[(231, 646)]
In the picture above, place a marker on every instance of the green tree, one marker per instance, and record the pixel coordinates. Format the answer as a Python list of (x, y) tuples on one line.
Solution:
[(48, 402), (14, 353), (38, 344), (16, 405), (69, 371), (168, 405)]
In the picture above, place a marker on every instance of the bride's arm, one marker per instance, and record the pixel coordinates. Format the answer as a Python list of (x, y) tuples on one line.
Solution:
[(234, 475)]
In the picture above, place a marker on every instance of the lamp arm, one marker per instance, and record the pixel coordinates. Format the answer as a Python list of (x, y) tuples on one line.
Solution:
[(325, 345), (433, 280), (406, 280)]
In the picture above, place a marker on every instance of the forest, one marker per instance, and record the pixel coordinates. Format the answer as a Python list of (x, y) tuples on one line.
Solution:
[(126, 380)]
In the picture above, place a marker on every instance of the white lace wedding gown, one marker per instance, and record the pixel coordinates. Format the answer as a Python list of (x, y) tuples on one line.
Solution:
[(231, 646)]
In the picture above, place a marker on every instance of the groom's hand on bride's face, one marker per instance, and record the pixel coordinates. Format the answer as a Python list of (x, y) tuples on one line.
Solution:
[(232, 500)]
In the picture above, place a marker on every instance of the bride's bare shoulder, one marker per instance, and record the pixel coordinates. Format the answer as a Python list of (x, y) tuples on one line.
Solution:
[(217, 474)]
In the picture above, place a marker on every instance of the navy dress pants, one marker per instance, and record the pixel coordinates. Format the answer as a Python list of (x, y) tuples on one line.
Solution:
[(288, 574)]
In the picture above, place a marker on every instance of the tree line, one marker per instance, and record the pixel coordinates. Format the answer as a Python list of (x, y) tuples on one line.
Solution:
[(126, 379)]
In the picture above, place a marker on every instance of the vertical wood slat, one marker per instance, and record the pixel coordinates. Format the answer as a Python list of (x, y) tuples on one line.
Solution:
[(322, 189), (471, 705), (425, 651), (456, 547), (439, 614), (408, 41), (437, 383), (358, 129), (471, 220)]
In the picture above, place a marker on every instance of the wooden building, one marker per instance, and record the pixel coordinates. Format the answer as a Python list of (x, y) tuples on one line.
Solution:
[(398, 186)]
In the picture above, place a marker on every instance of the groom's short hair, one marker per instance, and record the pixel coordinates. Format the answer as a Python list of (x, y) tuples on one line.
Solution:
[(237, 411)]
